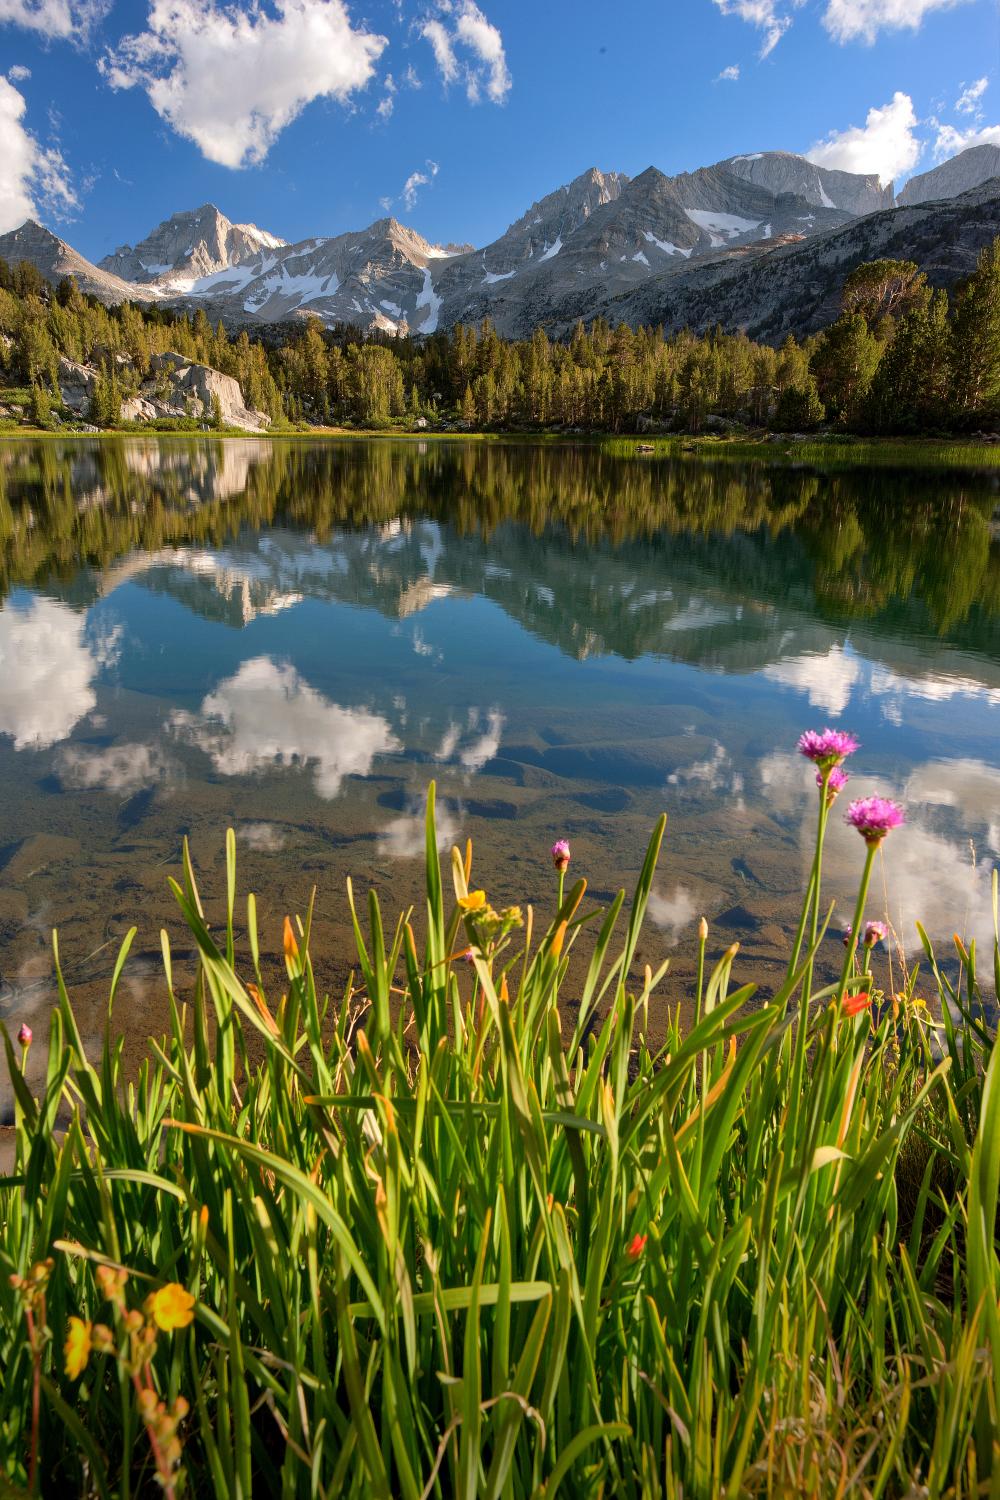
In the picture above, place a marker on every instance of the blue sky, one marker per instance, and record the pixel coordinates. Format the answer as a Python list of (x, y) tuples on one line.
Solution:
[(308, 116)]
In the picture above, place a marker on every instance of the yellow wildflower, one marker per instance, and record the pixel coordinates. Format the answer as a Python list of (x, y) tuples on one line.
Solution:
[(474, 901), (172, 1306), (289, 941), (77, 1347)]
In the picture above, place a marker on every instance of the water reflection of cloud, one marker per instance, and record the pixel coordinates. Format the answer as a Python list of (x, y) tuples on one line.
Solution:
[(266, 715), (263, 838), (827, 677), (47, 670), (937, 869), (122, 769), (405, 837), (481, 736), (673, 912)]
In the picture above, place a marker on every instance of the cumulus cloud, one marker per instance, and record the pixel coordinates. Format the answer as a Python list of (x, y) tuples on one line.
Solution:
[(729, 75), (231, 79), (34, 179), (949, 141), (968, 100), (468, 46), (862, 20), (47, 671), (266, 715), (766, 15), (18, 73), (387, 103), (121, 769), (61, 20), (886, 144)]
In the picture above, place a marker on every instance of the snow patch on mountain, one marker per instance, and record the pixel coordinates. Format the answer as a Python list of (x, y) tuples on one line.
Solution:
[(717, 223), (553, 249), (667, 246), (427, 297)]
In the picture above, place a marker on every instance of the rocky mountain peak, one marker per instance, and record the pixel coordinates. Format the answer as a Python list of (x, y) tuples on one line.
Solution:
[(189, 245), (784, 172), (970, 168)]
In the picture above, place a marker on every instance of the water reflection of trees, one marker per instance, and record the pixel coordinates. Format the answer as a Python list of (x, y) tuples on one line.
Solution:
[(906, 549)]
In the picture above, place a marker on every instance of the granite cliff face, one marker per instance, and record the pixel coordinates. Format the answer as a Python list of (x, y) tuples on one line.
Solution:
[(783, 172), (967, 170), (702, 246)]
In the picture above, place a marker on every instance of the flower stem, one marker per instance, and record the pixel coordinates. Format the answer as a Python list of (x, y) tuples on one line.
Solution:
[(859, 911)]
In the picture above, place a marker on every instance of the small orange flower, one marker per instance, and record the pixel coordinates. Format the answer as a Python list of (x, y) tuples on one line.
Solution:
[(77, 1347), (854, 1004), (636, 1246), (474, 901), (172, 1306), (290, 944)]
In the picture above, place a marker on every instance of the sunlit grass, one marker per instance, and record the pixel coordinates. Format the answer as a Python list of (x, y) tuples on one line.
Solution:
[(444, 1241)]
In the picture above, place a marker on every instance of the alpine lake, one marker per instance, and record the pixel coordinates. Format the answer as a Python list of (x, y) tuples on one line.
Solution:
[(293, 638)]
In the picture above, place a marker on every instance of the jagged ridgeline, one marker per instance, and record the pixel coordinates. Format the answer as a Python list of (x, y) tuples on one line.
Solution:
[(761, 241), (901, 357)]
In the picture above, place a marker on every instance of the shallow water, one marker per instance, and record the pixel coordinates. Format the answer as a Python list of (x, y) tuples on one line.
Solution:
[(294, 638)]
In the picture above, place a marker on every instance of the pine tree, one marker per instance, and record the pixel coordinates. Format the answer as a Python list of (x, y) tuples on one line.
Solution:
[(976, 340), (41, 406), (469, 407)]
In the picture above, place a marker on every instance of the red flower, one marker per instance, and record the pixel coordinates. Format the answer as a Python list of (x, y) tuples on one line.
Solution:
[(636, 1246), (854, 1004)]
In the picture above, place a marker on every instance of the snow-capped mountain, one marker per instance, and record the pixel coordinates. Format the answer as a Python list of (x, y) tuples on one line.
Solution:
[(601, 243), (188, 247)]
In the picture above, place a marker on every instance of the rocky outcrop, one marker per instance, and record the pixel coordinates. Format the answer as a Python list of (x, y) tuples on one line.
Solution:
[(176, 388), (196, 389), (967, 170)]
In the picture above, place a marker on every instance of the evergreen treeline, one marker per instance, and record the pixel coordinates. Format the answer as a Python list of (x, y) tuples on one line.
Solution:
[(900, 358)]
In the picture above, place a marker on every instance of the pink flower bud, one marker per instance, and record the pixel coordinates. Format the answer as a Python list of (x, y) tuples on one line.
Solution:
[(24, 1035)]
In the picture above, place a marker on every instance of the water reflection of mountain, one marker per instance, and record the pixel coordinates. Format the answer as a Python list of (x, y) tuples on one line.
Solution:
[(736, 568)]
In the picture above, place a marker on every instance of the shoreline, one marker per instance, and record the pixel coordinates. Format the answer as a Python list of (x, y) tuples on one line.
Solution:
[(841, 450)]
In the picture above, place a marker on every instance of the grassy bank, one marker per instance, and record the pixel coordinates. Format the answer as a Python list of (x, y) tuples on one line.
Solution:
[(434, 1238)]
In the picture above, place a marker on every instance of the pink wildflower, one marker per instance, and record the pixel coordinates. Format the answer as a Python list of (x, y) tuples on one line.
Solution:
[(827, 747), (874, 933), (874, 817), (24, 1035), (560, 854)]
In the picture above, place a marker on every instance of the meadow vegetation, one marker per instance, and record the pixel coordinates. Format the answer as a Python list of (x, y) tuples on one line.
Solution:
[(466, 1231)]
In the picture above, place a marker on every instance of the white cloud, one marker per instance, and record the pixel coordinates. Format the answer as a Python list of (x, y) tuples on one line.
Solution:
[(730, 74), (60, 20), (387, 103), (853, 20), (408, 197), (967, 102), (764, 14), (47, 671), (949, 141), (18, 73), (885, 144), (33, 177), (231, 79), (122, 769), (483, 65), (267, 715)]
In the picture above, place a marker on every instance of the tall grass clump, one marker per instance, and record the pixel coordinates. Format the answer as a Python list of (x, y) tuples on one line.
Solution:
[(436, 1239)]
